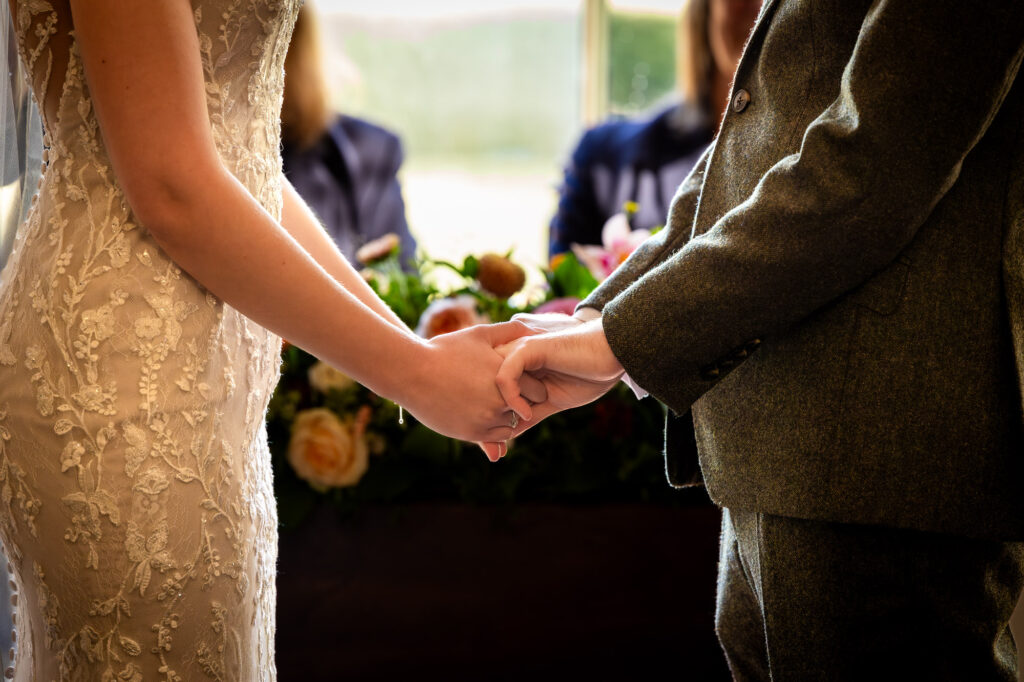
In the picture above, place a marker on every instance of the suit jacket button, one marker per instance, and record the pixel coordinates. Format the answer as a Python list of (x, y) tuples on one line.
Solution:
[(740, 100)]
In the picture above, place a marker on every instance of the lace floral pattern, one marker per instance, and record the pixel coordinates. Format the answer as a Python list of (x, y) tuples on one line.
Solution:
[(134, 474)]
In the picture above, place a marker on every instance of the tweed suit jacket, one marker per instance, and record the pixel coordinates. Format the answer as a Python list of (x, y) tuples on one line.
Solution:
[(839, 293)]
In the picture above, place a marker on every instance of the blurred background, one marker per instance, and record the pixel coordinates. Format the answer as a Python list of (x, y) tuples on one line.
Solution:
[(489, 97), (524, 573)]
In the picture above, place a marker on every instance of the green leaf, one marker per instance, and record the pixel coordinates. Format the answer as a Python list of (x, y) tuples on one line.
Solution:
[(571, 278), (470, 267)]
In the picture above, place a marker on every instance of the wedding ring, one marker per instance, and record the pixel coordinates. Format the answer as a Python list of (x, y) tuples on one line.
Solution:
[(515, 421)]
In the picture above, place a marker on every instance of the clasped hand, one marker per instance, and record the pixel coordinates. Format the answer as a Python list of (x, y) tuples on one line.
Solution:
[(501, 380), (570, 357)]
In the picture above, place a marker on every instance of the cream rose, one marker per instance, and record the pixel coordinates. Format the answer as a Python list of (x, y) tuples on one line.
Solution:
[(326, 451), (323, 378)]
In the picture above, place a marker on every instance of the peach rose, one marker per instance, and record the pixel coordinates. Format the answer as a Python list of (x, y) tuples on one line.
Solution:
[(329, 452), (448, 315)]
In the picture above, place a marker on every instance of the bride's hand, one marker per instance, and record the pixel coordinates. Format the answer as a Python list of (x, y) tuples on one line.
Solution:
[(453, 392)]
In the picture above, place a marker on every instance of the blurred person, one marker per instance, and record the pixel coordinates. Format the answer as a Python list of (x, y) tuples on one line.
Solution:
[(644, 161), (345, 168)]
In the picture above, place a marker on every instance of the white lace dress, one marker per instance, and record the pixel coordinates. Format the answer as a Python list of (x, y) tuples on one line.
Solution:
[(136, 500)]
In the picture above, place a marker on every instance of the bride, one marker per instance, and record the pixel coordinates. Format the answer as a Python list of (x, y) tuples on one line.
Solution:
[(141, 316)]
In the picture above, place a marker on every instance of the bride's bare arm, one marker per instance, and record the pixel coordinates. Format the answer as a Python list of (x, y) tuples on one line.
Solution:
[(143, 69), (302, 223)]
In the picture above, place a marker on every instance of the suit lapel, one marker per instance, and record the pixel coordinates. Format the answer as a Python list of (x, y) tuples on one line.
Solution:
[(750, 56)]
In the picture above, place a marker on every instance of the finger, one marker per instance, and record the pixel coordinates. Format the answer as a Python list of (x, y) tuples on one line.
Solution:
[(525, 356), (506, 332), (533, 389), (540, 318), (506, 348), (546, 322), (508, 382), (530, 320), (540, 413), (493, 450), (498, 435)]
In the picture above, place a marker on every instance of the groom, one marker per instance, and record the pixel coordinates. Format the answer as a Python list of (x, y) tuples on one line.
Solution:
[(839, 295)]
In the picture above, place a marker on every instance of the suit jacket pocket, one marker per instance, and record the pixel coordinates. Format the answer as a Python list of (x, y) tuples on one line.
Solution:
[(682, 466)]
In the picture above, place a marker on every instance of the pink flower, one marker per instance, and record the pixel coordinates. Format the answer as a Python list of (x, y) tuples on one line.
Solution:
[(617, 243), (448, 315), (566, 306)]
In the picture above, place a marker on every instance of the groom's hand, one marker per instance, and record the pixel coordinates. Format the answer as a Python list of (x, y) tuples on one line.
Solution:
[(537, 323), (575, 364)]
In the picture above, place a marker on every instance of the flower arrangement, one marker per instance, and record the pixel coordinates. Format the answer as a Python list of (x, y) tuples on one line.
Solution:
[(330, 436)]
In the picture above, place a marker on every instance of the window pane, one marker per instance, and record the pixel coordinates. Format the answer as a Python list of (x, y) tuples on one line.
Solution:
[(641, 64), (486, 100)]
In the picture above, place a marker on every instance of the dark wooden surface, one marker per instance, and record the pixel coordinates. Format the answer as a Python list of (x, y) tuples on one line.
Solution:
[(534, 592)]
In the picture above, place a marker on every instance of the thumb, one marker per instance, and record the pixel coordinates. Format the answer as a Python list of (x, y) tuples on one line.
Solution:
[(509, 376)]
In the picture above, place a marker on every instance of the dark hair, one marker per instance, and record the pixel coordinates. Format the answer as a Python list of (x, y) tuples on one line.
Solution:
[(695, 67)]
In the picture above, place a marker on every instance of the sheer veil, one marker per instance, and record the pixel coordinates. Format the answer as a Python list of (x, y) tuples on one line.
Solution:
[(21, 147), (22, 141)]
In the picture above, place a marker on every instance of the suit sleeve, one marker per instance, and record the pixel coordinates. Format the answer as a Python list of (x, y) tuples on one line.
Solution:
[(923, 83)]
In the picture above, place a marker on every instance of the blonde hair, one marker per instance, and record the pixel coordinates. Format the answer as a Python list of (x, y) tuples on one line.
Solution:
[(695, 66), (305, 113)]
